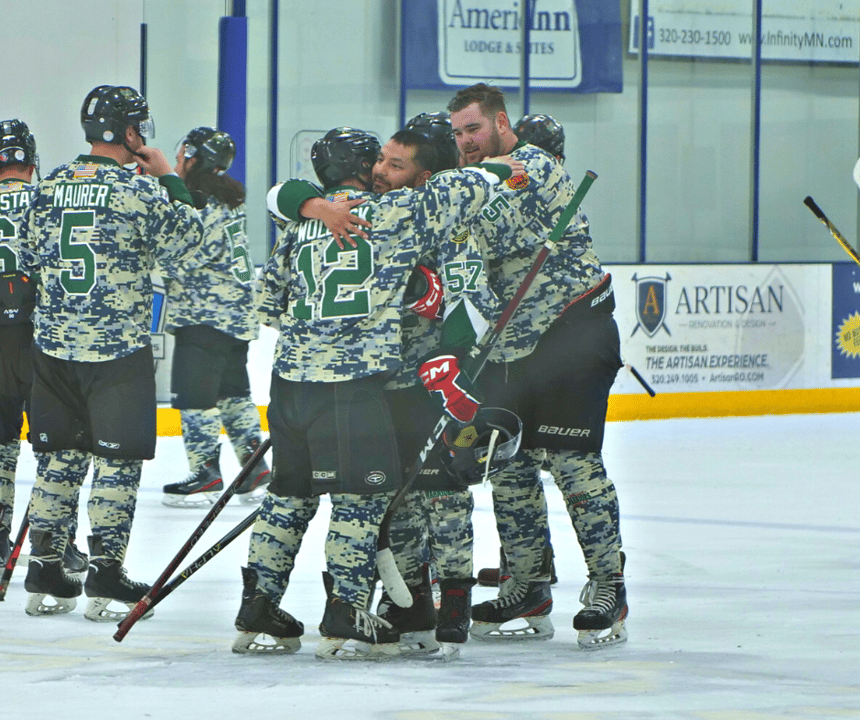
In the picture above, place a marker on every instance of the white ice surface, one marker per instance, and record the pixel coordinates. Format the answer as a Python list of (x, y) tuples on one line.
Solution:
[(742, 574)]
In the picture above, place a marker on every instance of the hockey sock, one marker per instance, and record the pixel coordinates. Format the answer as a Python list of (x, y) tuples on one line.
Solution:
[(200, 432), (112, 502), (275, 541)]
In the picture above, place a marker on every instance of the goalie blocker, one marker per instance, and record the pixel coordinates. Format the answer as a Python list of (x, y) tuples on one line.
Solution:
[(561, 390)]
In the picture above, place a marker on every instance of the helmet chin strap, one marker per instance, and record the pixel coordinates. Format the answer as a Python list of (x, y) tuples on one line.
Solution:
[(490, 448)]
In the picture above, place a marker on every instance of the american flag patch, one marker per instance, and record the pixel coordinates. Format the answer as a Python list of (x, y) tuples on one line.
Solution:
[(85, 171)]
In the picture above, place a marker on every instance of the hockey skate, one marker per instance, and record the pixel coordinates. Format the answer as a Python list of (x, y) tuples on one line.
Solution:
[(107, 583), (201, 488), (601, 622), (349, 633), (52, 591), (455, 614), (416, 623), (530, 601), (252, 489), (263, 627), (74, 561), (493, 577)]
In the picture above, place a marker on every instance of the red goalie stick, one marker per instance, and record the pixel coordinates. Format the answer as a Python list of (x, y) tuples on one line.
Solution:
[(152, 597), (388, 573)]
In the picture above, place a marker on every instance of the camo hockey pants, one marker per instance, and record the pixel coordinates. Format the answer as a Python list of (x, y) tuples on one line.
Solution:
[(350, 546), (113, 497), (434, 526), (589, 496), (202, 428), (8, 463)]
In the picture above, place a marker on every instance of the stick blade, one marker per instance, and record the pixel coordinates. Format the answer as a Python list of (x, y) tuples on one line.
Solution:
[(391, 578), (810, 203)]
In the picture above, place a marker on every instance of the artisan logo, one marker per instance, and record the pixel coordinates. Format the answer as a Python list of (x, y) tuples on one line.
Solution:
[(651, 304)]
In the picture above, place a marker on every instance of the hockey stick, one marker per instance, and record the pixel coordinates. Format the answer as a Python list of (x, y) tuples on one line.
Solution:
[(12, 560), (819, 213), (147, 600), (386, 566), (648, 389), (204, 558)]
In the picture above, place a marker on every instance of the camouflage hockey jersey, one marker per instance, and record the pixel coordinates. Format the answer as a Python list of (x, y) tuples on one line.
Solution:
[(94, 231), (517, 220), (342, 308), (15, 197), (219, 291)]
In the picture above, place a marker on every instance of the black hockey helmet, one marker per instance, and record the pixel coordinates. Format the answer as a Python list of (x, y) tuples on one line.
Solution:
[(214, 149), (17, 144), (483, 447), (543, 131), (344, 153), (437, 126), (108, 110)]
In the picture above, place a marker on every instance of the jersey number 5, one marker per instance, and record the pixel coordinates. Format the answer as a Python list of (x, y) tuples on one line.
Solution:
[(82, 277)]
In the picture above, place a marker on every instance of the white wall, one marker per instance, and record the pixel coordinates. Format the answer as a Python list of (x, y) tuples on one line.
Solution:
[(338, 65)]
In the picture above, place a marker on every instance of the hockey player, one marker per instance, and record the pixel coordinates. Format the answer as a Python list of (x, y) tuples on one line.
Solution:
[(567, 314), (544, 132), (94, 232), (434, 524), (338, 310), (18, 163), (210, 311)]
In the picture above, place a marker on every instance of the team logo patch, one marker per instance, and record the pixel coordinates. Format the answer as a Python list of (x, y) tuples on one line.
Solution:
[(466, 437), (85, 171), (339, 196), (520, 182), (375, 478), (12, 186), (461, 237), (4, 157)]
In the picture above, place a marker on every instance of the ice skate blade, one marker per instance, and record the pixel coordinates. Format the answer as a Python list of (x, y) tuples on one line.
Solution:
[(254, 497), (539, 627), (98, 610), (344, 649), (601, 639), (197, 500), (37, 606), (262, 644), (422, 642)]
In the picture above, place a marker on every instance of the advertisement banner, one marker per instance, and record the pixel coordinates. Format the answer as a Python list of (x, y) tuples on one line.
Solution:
[(845, 358), (794, 30), (701, 328), (574, 45)]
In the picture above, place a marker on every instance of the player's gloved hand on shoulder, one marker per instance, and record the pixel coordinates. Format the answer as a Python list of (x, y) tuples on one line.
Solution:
[(442, 374), (424, 294)]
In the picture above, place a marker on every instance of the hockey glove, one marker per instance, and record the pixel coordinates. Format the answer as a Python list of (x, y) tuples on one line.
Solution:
[(442, 374), (424, 294)]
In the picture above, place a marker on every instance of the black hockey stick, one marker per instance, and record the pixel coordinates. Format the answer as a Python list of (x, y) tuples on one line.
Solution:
[(388, 573), (204, 558), (819, 213), (12, 560), (147, 600), (648, 389)]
